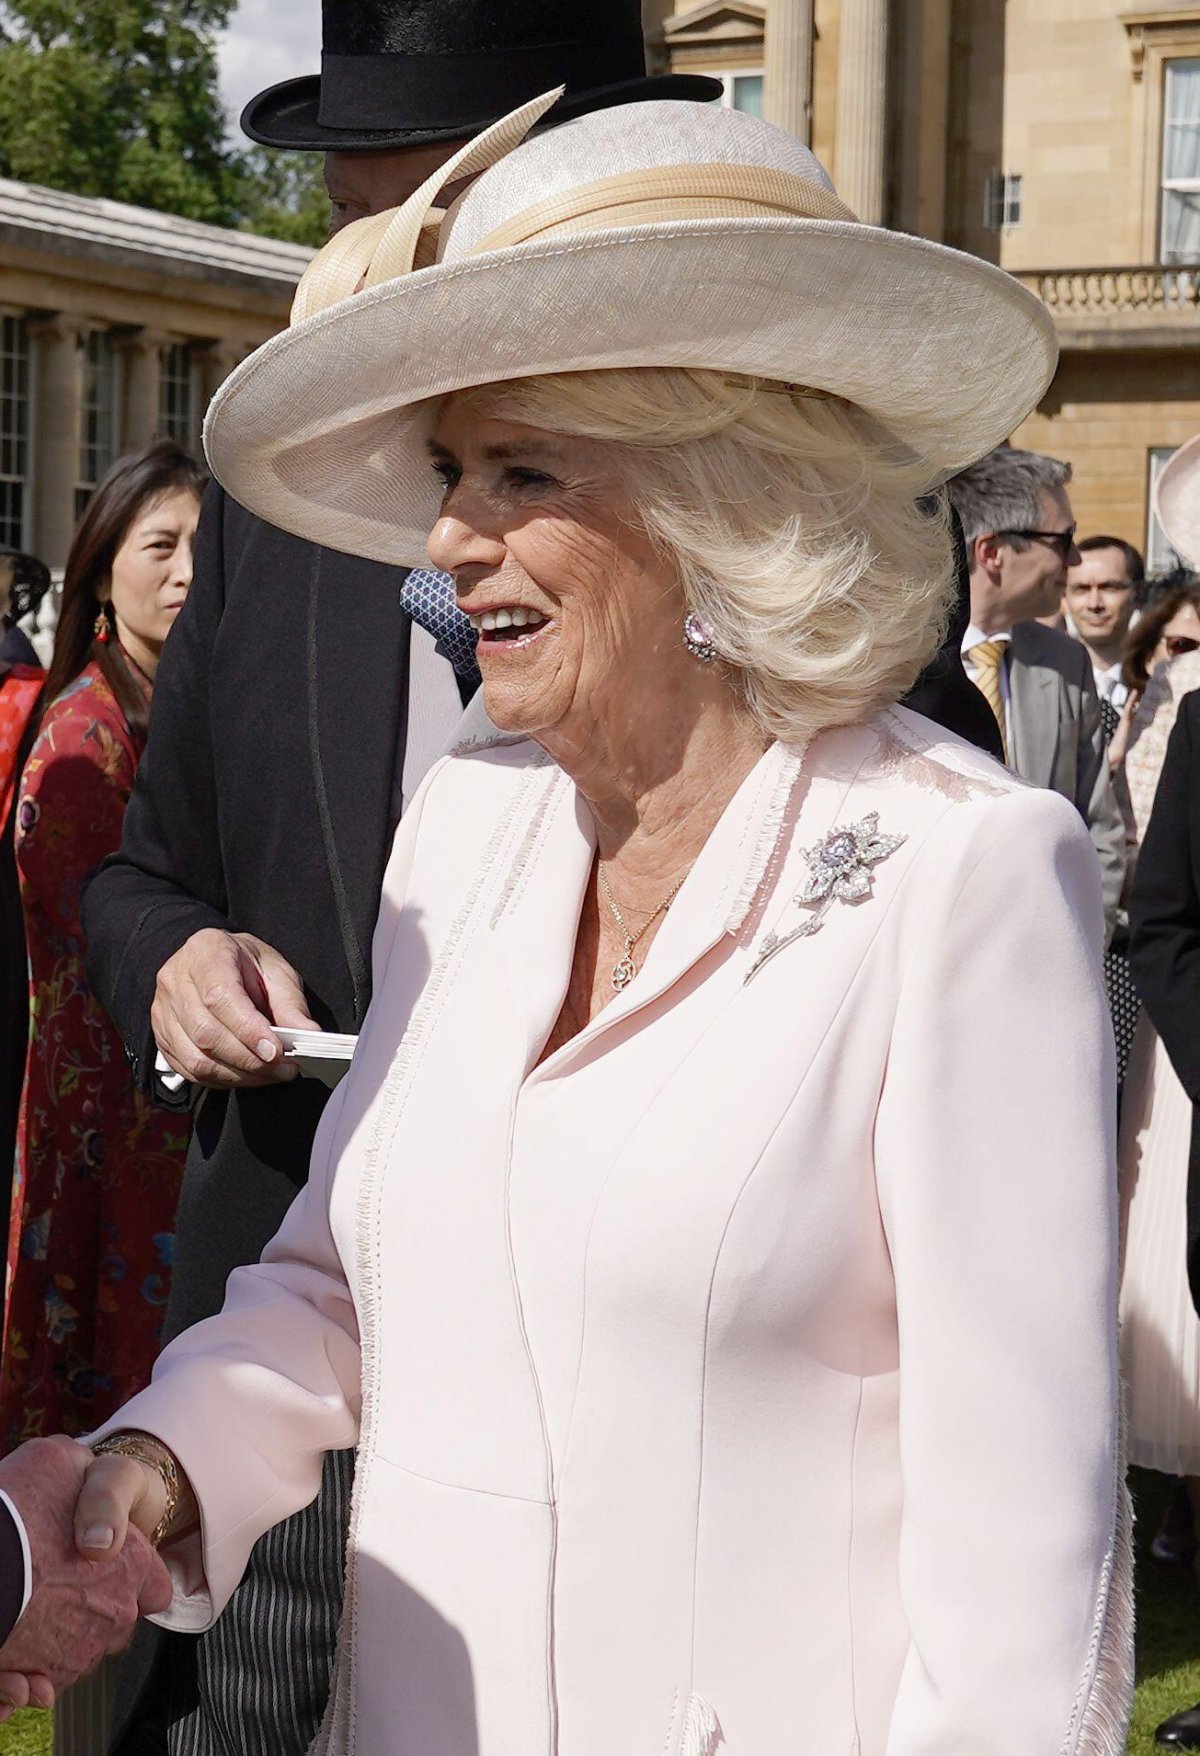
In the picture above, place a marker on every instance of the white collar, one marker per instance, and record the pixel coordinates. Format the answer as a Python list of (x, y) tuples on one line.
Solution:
[(976, 637)]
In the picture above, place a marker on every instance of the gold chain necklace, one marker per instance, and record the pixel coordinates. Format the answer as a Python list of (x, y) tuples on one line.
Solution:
[(625, 969)]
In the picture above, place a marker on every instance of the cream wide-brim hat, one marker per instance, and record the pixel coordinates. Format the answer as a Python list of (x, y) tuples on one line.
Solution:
[(1177, 501), (659, 234)]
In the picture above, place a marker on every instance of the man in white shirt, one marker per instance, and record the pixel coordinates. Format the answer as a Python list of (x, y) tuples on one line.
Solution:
[(1101, 595), (1020, 537)]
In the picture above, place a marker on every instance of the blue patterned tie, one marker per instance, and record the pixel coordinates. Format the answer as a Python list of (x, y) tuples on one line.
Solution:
[(428, 597)]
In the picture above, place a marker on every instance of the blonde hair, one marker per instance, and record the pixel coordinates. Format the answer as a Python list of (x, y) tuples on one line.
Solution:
[(792, 520)]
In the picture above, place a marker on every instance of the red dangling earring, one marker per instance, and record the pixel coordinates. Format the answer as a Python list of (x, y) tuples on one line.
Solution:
[(102, 628)]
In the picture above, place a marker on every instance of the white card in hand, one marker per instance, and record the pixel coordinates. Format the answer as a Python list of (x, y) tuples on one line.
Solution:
[(319, 1054)]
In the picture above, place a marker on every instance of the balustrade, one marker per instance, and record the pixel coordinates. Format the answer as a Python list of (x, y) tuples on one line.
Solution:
[(1153, 291)]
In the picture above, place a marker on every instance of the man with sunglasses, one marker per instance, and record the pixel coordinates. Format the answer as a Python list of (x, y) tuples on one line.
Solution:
[(1020, 537)]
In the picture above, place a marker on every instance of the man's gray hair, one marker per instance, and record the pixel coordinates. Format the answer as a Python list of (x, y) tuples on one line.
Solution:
[(1003, 491)]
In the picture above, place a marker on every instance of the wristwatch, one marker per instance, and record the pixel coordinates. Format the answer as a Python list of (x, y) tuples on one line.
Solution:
[(150, 1451)]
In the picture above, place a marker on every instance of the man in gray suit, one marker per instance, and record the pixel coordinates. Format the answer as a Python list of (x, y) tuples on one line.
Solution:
[(1020, 536)]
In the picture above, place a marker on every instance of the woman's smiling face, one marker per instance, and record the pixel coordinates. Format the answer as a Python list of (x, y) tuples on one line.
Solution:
[(578, 616)]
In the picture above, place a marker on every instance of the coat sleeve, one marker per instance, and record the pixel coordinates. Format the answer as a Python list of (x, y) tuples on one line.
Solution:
[(995, 1160), (73, 797), (1098, 801), (1164, 946), (249, 1401), (166, 881)]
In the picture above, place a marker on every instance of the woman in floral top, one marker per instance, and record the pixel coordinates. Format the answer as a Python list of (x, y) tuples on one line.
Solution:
[(98, 1167)]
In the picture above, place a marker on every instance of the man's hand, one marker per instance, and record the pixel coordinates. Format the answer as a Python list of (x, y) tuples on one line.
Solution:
[(215, 1006), (81, 1611)]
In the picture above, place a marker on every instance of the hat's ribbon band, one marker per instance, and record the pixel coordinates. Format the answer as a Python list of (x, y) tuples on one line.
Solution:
[(670, 192), (389, 245)]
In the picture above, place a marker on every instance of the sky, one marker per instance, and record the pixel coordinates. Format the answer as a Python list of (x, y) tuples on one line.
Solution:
[(268, 40)]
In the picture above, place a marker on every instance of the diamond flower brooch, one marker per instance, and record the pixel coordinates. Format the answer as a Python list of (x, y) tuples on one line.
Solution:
[(840, 869)]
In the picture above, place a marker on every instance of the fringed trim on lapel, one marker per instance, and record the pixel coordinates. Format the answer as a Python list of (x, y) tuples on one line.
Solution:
[(701, 1735), (770, 822), (518, 866), (1100, 1719), (338, 1732)]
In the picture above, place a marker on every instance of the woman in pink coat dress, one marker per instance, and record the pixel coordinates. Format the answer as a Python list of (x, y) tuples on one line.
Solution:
[(711, 1249)]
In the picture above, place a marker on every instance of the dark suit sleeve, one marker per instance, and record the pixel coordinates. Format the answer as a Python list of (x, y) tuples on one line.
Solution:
[(166, 881), (1165, 913), (13, 1579)]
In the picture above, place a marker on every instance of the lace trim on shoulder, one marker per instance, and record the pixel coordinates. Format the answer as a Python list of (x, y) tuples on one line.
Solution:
[(941, 769)]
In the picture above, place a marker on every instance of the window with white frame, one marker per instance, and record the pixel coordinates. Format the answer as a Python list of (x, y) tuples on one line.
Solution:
[(14, 432), (1002, 201), (1179, 239), (744, 91), (177, 395), (100, 415), (1160, 556)]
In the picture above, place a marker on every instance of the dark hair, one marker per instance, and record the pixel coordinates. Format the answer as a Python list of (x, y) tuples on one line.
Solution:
[(30, 583), (1135, 567), (131, 484), (1168, 594)]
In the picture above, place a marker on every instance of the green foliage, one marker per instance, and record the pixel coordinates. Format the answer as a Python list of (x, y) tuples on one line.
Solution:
[(283, 195), (119, 98), (27, 1734)]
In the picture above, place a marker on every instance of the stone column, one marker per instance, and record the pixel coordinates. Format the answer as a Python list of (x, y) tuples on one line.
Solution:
[(216, 362), (58, 377), (787, 94), (141, 350), (860, 135)]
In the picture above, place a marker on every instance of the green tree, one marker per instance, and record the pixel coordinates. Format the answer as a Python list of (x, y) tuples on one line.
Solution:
[(119, 98), (283, 195)]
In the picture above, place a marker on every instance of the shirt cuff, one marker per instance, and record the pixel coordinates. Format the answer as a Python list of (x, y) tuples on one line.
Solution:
[(8, 1597), (166, 1076)]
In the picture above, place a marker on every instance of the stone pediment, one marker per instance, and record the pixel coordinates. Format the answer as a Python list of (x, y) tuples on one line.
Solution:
[(717, 24)]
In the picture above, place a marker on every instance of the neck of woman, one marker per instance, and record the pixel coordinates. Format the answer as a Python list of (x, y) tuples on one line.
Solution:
[(656, 791), (141, 655)]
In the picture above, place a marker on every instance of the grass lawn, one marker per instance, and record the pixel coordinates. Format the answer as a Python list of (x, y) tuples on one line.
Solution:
[(26, 1734), (1168, 1626), (1168, 1642)]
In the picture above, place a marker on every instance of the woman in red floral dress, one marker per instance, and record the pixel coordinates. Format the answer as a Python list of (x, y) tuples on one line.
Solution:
[(98, 1166)]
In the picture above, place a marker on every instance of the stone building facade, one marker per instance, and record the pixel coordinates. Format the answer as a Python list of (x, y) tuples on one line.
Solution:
[(1059, 138), (116, 324)]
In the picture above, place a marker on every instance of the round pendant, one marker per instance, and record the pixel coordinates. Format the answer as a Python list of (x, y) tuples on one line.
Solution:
[(623, 973)]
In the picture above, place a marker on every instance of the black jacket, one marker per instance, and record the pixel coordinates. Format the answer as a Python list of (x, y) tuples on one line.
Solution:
[(1164, 920), (944, 692), (263, 805)]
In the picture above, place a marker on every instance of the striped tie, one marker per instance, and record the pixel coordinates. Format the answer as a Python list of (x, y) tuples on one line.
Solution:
[(986, 660)]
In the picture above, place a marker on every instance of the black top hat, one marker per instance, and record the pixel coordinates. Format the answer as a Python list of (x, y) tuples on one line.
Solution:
[(402, 72)]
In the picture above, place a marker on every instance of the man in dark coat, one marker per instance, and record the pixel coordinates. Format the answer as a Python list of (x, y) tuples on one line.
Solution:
[(295, 709), (1164, 955)]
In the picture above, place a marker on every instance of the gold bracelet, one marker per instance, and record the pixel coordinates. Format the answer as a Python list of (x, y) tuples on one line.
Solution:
[(143, 1448)]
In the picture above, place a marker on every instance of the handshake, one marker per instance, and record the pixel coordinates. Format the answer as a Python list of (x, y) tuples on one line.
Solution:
[(92, 1572)]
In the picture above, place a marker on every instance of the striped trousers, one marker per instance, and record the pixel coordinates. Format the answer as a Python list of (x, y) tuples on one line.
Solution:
[(262, 1674)]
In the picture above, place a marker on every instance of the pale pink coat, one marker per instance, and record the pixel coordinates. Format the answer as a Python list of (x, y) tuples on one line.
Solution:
[(742, 1379)]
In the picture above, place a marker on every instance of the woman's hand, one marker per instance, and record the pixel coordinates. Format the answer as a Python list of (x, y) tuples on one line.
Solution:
[(119, 1491)]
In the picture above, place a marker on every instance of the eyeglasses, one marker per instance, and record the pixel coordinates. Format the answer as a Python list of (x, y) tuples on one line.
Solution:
[(1062, 540), (1178, 644)]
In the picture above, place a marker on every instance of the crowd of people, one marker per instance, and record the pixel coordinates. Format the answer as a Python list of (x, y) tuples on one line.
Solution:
[(621, 679)]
